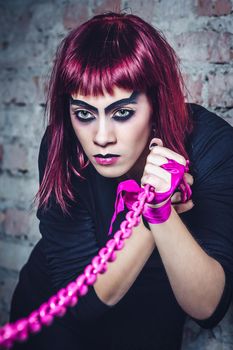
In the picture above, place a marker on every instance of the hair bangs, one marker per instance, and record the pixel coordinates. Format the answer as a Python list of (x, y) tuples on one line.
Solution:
[(111, 60), (99, 80)]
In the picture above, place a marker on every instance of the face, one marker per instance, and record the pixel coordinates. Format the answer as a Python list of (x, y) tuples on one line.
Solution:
[(119, 125)]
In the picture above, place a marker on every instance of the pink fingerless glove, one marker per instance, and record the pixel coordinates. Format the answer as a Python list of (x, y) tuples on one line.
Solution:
[(153, 215), (162, 213)]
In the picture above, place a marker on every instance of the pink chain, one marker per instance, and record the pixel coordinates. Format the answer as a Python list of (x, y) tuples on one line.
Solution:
[(57, 305)]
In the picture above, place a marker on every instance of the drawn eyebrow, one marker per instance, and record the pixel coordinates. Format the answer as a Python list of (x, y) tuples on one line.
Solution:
[(132, 99)]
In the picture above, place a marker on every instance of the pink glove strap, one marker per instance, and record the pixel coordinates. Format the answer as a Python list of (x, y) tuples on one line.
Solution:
[(153, 215), (161, 214), (157, 215)]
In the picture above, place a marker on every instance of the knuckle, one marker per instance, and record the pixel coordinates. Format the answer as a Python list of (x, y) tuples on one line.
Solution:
[(182, 160), (189, 178), (191, 203), (154, 150), (149, 158), (176, 197), (147, 168), (165, 185)]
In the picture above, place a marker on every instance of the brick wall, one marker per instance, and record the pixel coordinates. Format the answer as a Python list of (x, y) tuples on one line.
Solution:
[(202, 34)]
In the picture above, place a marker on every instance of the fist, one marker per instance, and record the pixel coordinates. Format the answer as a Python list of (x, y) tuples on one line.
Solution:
[(163, 180)]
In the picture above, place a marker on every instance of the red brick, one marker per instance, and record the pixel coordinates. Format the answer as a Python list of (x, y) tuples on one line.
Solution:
[(214, 7), (2, 218), (223, 7), (204, 46), (105, 6), (41, 88), (145, 8), (16, 222), (194, 86), (75, 14), (220, 89)]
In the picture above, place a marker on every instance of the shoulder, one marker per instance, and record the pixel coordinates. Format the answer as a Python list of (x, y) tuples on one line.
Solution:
[(211, 141), (208, 125)]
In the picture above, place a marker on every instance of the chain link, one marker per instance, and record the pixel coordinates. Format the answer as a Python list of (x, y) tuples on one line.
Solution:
[(57, 305)]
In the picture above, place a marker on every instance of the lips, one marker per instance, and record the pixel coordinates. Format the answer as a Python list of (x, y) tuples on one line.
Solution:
[(108, 155), (106, 160)]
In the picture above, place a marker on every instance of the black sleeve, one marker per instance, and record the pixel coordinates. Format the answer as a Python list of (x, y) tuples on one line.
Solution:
[(69, 244), (211, 219)]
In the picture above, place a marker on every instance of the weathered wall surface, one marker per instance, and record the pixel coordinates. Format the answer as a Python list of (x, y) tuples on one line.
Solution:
[(202, 34)]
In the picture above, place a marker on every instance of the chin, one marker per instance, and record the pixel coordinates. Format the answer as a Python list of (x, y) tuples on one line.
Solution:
[(110, 172)]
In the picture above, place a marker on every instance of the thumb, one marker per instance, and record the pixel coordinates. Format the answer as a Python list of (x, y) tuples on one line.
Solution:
[(156, 141)]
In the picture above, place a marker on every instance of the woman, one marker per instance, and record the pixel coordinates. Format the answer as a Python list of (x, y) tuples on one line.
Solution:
[(117, 112)]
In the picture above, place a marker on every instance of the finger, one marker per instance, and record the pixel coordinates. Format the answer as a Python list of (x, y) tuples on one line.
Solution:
[(176, 198), (156, 159), (157, 174), (157, 141), (188, 178), (157, 177), (155, 170), (183, 207), (168, 153)]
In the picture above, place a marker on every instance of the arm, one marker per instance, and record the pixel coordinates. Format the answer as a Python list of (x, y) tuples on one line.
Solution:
[(198, 256), (191, 271), (113, 284), (186, 268)]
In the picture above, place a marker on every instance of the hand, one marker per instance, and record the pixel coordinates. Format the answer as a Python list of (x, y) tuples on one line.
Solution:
[(176, 198), (154, 174), (164, 171)]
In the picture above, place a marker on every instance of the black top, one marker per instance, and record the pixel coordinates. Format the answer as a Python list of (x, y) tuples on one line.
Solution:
[(148, 316)]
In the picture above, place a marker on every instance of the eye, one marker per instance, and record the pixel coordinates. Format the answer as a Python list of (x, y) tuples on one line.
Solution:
[(123, 114), (83, 115)]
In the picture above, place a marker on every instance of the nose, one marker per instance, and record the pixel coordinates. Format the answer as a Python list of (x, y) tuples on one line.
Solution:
[(104, 133)]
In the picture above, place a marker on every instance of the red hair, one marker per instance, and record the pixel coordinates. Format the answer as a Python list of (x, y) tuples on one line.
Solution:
[(112, 49)]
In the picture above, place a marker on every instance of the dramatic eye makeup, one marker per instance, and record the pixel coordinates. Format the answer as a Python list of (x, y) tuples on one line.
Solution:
[(124, 114), (121, 115), (83, 115), (117, 108)]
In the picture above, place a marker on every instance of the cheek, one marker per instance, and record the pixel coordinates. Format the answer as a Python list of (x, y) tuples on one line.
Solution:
[(83, 139), (136, 138), (141, 132), (143, 125), (81, 133)]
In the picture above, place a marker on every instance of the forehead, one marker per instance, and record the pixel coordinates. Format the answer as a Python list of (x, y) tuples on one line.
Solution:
[(118, 94)]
